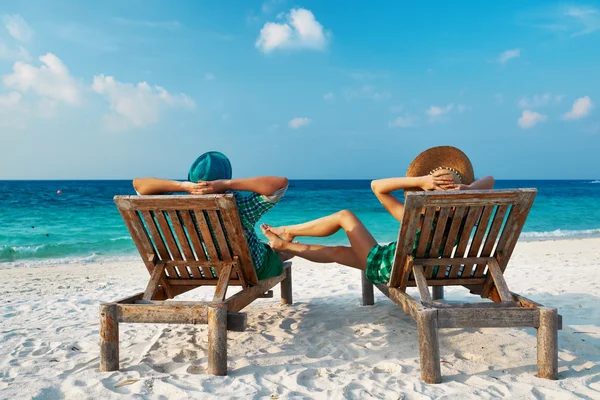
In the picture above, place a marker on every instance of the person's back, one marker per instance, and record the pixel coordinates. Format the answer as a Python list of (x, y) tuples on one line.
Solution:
[(211, 174)]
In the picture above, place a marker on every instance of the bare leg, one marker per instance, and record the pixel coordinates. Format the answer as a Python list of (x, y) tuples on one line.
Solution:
[(361, 241), (325, 226)]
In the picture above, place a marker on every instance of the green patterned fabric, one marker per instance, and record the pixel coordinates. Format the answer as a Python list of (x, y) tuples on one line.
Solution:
[(381, 258), (251, 207)]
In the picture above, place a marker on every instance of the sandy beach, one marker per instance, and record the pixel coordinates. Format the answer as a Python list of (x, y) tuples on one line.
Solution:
[(324, 346)]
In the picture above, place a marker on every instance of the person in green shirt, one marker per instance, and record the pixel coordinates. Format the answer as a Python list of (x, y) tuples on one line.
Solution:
[(438, 168), (211, 174)]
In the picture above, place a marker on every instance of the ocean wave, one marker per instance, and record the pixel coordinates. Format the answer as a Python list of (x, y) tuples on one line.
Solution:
[(594, 182), (561, 234), (92, 258), (111, 246)]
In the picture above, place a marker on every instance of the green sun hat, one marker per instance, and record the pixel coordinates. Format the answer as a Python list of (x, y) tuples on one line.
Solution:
[(210, 166)]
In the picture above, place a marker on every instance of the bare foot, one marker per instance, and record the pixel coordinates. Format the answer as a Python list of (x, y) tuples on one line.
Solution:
[(280, 231), (274, 241)]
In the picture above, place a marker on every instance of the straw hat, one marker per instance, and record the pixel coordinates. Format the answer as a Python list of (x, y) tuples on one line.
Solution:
[(442, 157)]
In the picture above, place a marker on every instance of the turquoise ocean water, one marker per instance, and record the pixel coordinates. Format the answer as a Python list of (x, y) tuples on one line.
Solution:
[(39, 226)]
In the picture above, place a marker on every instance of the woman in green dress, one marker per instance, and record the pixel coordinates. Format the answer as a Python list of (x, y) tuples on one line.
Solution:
[(438, 168)]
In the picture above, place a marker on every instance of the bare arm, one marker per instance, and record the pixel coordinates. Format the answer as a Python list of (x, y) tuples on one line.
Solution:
[(147, 186), (264, 185), (384, 187), (483, 183)]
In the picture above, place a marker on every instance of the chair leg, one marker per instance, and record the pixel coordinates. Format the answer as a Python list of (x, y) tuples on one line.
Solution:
[(286, 288), (217, 339), (368, 299), (437, 292), (109, 337), (429, 348), (547, 344)]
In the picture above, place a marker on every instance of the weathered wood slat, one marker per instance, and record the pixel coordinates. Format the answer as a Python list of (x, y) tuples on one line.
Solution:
[(224, 276), (401, 298), (155, 278), (491, 238), (426, 229), (219, 235), (472, 217), (196, 242), (241, 299), (426, 234), (457, 219), (162, 314), (436, 242), (421, 284), (451, 282), (449, 261), (182, 239), (475, 305), (515, 223), (109, 337), (287, 297), (217, 339), (499, 281), (206, 235), (482, 226), (201, 282), (368, 298), (238, 241), (547, 344), (488, 318), (429, 347), (160, 245), (169, 239), (169, 202), (406, 240), (142, 241)]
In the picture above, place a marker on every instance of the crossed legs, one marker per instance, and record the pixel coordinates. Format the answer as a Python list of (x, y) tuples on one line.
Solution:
[(361, 240)]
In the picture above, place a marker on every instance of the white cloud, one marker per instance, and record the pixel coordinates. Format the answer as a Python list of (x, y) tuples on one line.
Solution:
[(209, 77), (300, 31), (508, 55), (329, 96), (18, 28), (435, 111), (51, 80), (171, 25), (135, 105), (539, 100), (529, 119), (296, 123), (403, 122), (13, 54), (587, 19), (367, 92), (580, 109)]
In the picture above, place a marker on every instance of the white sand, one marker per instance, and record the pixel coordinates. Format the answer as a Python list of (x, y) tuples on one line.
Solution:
[(324, 346)]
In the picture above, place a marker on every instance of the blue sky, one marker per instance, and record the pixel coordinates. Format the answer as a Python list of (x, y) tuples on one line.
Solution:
[(307, 89)]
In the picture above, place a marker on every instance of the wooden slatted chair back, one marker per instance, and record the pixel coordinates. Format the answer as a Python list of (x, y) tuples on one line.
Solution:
[(195, 237), (452, 233)]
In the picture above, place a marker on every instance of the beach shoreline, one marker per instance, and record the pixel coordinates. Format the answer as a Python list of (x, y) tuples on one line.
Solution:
[(325, 345)]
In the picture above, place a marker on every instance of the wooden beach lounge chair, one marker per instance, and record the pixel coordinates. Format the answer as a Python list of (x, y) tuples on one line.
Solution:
[(466, 239), (187, 242)]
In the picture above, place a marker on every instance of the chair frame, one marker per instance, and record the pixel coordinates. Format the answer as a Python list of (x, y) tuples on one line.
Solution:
[(183, 241), (476, 262)]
